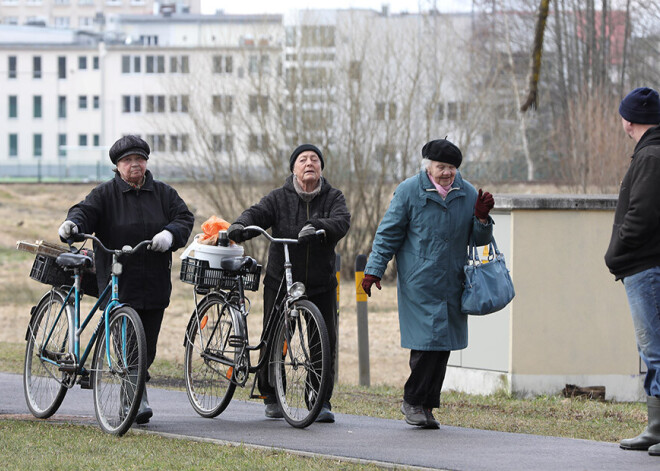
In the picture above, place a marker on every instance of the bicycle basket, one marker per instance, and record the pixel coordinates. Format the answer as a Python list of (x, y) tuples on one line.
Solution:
[(198, 273), (46, 270)]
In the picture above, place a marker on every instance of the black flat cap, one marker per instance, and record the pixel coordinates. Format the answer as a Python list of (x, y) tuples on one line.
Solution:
[(129, 145)]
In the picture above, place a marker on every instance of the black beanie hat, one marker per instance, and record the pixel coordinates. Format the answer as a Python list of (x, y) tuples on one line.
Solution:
[(302, 148), (641, 106), (129, 145), (441, 150)]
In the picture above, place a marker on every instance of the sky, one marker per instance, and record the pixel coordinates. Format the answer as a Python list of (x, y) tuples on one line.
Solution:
[(280, 6)]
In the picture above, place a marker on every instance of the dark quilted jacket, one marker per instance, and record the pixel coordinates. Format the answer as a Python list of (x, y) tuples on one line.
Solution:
[(283, 211)]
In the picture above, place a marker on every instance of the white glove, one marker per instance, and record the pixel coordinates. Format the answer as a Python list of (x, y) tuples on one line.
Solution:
[(67, 229), (162, 241)]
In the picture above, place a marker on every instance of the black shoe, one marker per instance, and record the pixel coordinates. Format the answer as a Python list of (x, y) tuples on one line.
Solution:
[(430, 420), (144, 412), (326, 416), (415, 415), (273, 411)]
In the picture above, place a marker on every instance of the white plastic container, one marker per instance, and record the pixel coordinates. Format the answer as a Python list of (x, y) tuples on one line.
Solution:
[(213, 253)]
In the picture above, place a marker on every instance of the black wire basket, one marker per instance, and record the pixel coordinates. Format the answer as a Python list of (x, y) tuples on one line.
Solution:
[(46, 270), (198, 273)]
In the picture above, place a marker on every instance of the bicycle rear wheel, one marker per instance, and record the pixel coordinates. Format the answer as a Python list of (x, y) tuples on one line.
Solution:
[(119, 382), (300, 363), (208, 381), (47, 342)]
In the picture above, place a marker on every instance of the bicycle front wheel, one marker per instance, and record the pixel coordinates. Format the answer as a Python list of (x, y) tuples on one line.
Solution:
[(47, 338), (210, 359), (119, 371), (300, 363)]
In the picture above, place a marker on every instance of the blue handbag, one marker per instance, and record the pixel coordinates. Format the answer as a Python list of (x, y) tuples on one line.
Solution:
[(487, 287)]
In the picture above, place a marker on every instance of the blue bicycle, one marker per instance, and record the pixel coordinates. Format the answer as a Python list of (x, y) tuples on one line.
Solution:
[(53, 359)]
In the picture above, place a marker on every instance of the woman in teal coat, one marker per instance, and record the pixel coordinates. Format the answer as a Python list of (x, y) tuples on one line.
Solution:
[(427, 227)]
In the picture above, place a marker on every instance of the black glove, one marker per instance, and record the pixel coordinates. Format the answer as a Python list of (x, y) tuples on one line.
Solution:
[(235, 232), (307, 234)]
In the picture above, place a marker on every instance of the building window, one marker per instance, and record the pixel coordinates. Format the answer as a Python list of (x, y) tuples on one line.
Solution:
[(85, 22), (36, 145), (82, 140), (155, 64), (96, 102), (253, 63), (257, 142), (439, 113), (13, 145), (179, 65), (36, 106), (82, 62), (223, 104), (13, 106), (82, 102), (148, 40), (223, 143), (61, 106), (155, 104), (258, 102), (223, 64), (61, 21), (61, 2), (179, 103), (61, 145), (385, 111), (11, 67), (179, 143), (10, 20), (156, 142), (131, 104), (96, 139), (61, 67), (131, 64), (355, 70), (95, 62), (36, 67)]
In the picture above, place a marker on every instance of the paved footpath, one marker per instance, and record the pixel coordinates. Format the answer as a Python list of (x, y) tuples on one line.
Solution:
[(383, 441)]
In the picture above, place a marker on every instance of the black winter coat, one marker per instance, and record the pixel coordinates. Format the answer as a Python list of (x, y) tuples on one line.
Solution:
[(635, 242), (286, 213), (119, 215)]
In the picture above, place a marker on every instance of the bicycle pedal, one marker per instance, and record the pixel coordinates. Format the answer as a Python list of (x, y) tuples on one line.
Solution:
[(236, 341), (85, 382), (67, 368)]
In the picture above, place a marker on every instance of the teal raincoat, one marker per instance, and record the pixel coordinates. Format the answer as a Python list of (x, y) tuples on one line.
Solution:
[(429, 237)]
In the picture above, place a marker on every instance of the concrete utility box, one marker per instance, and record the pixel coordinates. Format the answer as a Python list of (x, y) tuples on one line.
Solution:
[(569, 322)]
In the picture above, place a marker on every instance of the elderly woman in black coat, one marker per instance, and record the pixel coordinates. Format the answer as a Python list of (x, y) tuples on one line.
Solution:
[(304, 204), (124, 211)]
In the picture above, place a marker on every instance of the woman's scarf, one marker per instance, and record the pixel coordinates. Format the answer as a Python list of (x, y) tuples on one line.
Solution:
[(306, 196), (443, 190)]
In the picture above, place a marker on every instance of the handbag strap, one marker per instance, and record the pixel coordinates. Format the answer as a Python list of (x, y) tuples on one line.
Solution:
[(473, 253)]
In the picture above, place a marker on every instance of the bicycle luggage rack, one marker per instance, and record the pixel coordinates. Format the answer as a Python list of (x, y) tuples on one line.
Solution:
[(198, 273)]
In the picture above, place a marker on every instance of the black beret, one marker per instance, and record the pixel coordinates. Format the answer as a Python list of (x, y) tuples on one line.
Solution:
[(441, 150), (129, 145), (302, 148)]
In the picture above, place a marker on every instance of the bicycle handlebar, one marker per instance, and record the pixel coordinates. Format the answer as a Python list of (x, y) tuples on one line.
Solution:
[(126, 249), (320, 232)]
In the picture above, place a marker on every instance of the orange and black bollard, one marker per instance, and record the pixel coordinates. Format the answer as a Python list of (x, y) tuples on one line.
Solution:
[(362, 322)]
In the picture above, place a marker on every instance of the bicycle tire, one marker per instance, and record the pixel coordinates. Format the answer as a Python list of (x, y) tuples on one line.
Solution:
[(300, 364), (209, 383), (118, 387), (43, 382)]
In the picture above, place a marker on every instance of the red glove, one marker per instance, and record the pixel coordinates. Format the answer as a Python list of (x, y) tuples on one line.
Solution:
[(369, 280), (484, 204)]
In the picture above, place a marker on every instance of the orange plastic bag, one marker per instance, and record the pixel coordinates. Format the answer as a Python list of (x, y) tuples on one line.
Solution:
[(211, 227)]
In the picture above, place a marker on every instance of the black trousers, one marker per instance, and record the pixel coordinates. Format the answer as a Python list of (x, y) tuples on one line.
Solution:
[(427, 373), (151, 321), (327, 304)]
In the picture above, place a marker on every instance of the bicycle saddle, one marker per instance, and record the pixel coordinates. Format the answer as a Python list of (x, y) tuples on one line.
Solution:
[(74, 260), (238, 263)]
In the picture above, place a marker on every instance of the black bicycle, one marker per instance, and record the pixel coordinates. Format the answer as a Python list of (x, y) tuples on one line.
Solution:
[(295, 345)]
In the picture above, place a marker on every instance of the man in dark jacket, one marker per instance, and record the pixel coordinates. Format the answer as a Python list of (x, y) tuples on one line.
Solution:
[(124, 211), (634, 252), (305, 204)]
